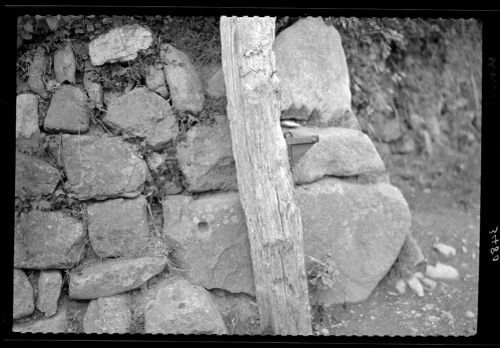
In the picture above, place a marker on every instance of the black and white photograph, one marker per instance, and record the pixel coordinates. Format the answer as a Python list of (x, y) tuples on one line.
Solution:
[(269, 175)]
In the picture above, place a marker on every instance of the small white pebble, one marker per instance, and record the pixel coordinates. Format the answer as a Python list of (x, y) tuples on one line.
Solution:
[(401, 286), (433, 318), (416, 286), (469, 314), (429, 283), (464, 249), (441, 271), (325, 331), (445, 249), (473, 255)]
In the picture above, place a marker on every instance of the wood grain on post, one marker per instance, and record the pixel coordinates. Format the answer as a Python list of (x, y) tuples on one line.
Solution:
[(264, 178)]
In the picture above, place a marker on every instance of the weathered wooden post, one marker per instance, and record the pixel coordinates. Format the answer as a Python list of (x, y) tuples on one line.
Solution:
[(264, 178)]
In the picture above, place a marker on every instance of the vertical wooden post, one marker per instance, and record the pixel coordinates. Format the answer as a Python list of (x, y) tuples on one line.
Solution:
[(264, 178)]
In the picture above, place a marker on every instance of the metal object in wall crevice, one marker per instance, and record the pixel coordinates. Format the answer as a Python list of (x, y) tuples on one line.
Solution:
[(297, 147)]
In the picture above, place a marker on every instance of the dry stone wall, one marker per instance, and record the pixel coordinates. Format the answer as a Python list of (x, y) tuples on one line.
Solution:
[(182, 269)]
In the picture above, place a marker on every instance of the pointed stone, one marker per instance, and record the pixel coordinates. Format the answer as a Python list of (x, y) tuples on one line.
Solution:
[(313, 73)]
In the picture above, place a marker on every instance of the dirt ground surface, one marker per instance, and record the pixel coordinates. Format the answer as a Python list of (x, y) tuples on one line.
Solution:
[(444, 197)]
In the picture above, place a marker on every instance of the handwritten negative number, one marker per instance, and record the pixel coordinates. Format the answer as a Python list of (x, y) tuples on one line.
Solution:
[(494, 240)]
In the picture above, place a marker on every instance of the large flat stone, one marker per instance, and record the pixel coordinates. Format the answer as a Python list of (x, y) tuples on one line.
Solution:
[(144, 114), (34, 175), (339, 152), (206, 157), (210, 238), (55, 324), (313, 73), (49, 289), (108, 315), (359, 229), (183, 80), (68, 111), (23, 304), (65, 65), (26, 115), (102, 167), (119, 44), (175, 306), (113, 277), (48, 240), (118, 227)]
